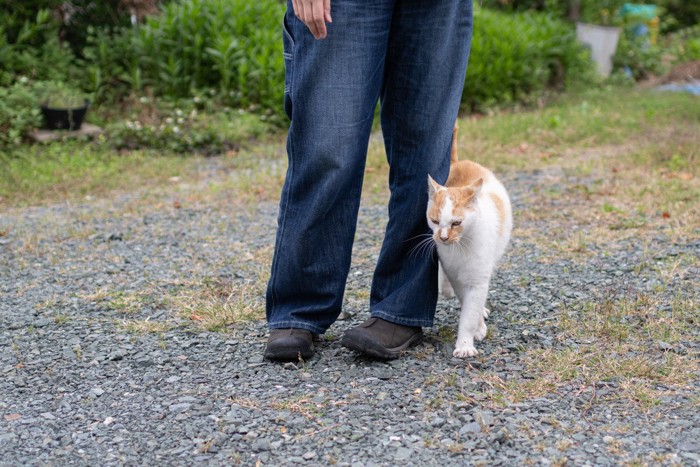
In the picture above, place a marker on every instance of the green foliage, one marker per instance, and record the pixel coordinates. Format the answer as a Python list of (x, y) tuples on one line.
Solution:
[(688, 51), (680, 14), (19, 113), (515, 57), (685, 44), (636, 56), (233, 46), (188, 126), (32, 49), (58, 95)]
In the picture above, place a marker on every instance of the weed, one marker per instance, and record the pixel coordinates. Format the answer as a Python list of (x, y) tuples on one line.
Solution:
[(145, 326)]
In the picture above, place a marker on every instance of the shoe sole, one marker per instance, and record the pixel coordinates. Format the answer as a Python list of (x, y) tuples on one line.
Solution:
[(372, 348), (288, 355)]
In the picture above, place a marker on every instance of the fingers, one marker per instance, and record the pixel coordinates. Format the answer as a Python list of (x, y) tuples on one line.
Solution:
[(327, 11), (318, 19), (314, 14)]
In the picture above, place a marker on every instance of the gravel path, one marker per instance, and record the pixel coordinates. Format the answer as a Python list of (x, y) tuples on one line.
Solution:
[(78, 388)]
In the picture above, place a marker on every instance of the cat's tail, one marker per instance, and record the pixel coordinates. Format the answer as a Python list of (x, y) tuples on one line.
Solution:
[(453, 153)]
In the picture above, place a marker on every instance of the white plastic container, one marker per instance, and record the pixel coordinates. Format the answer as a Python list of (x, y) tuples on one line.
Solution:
[(602, 41)]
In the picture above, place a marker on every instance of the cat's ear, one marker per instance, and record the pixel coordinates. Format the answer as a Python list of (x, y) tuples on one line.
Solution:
[(433, 186), (473, 189), (476, 186)]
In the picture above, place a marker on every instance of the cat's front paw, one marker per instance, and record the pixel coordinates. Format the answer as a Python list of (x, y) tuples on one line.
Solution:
[(465, 351)]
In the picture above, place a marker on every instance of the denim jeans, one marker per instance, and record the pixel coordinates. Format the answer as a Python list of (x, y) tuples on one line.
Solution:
[(411, 56)]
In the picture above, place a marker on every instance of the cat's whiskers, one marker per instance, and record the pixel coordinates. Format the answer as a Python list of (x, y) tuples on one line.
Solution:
[(425, 246)]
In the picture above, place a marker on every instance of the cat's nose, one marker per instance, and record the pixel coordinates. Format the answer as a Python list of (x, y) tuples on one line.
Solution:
[(443, 236)]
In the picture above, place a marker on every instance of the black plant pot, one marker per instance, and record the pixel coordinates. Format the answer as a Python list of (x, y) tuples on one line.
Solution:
[(64, 119)]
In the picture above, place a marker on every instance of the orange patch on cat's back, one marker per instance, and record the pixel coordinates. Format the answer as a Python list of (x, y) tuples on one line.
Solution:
[(500, 209), (466, 172)]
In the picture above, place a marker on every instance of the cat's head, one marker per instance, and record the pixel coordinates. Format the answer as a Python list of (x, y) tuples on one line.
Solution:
[(451, 210)]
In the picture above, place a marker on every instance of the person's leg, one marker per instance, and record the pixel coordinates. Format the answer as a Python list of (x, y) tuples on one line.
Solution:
[(331, 90), (424, 77), (423, 80)]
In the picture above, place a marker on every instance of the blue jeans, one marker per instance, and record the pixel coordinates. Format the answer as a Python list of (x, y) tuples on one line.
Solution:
[(412, 57)]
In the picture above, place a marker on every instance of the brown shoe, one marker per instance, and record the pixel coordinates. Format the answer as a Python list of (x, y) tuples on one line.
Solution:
[(381, 339), (289, 344)]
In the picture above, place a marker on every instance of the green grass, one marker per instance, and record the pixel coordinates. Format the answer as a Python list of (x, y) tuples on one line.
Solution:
[(70, 170), (58, 172)]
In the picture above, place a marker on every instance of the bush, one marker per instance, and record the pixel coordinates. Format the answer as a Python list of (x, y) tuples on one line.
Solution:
[(515, 57), (685, 44), (233, 46), (636, 56), (19, 113), (32, 49)]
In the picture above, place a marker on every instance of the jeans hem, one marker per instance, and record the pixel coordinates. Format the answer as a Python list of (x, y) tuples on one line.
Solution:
[(425, 323), (297, 325)]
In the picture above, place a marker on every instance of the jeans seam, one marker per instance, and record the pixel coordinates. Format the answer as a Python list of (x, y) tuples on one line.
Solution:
[(403, 321), (296, 325), (274, 272)]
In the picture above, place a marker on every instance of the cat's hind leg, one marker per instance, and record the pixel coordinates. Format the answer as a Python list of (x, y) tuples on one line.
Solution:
[(444, 285)]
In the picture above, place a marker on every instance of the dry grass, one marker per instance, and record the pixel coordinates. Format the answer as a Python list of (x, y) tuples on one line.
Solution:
[(615, 343), (145, 326)]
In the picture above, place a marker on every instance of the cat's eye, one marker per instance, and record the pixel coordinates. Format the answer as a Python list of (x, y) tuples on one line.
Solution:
[(435, 221), (456, 223)]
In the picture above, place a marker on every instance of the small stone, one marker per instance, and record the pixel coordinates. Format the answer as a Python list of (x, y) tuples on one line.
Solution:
[(403, 453), (290, 366), (97, 392), (437, 422), (664, 346), (485, 418), (182, 407), (42, 322), (48, 416), (7, 437), (309, 455), (116, 355), (144, 363), (472, 427)]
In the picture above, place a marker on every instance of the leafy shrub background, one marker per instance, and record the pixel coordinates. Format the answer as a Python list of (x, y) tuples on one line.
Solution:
[(515, 57), (233, 46), (31, 47), (637, 57), (674, 14), (19, 113), (685, 44)]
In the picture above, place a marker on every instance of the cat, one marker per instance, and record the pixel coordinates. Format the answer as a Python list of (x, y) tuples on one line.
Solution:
[(471, 220)]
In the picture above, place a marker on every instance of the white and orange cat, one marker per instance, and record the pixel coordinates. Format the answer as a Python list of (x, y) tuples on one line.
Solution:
[(471, 221)]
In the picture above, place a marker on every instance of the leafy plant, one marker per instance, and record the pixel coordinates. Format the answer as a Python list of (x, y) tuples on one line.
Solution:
[(32, 48), (636, 56), (685, 44), (515, 57), (58, 95), (19, 113), (233, 46)]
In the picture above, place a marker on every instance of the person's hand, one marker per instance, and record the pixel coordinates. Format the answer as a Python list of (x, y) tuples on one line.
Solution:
[(314, 14)]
